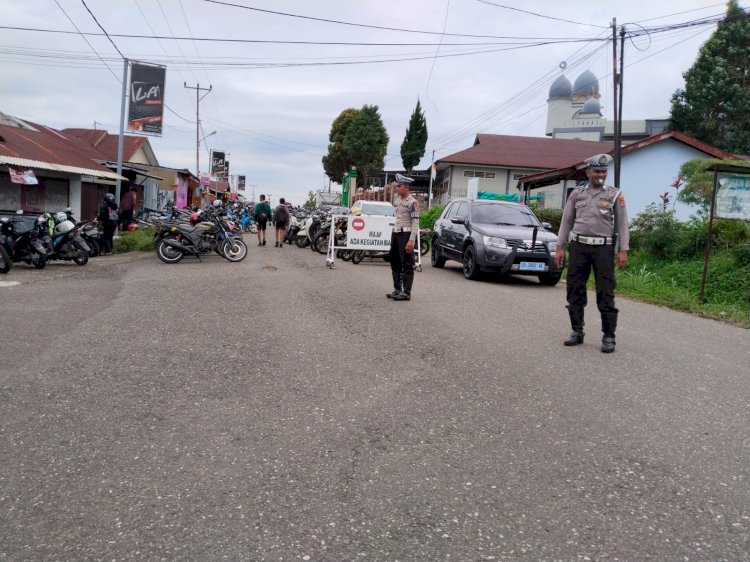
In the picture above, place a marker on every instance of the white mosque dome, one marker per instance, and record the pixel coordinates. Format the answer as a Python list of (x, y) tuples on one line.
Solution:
[(586, 83), (560, 88), (592, 106)]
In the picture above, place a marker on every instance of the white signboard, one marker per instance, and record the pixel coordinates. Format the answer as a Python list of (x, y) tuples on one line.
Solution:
[(369, 233), (733, 198)]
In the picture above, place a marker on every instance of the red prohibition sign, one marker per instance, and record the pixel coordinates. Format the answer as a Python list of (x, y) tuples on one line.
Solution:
[(358, 223)]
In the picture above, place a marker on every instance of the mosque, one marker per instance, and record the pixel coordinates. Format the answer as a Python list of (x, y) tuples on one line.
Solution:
[(575, 112)]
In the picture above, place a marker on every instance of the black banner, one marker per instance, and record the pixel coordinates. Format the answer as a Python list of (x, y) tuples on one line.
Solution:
[(241, 183), (146, 108), (218, 163)]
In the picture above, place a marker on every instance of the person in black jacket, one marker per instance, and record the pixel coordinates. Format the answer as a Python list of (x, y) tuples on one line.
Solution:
[(108, 219)]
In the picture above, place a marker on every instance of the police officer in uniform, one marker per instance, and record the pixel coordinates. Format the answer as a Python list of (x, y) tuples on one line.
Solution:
[(595, 222), (403, 239)]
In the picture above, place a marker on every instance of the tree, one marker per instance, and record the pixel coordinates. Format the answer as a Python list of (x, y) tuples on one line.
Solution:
[(713, 107), (366, 142), (311, 200), (415, 140), (336, 163)]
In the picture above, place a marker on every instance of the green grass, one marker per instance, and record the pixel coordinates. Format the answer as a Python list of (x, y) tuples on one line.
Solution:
[(139, 240), (676, 284)]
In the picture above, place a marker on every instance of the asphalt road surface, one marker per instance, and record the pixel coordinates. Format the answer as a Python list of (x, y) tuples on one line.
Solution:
[(278, 410)]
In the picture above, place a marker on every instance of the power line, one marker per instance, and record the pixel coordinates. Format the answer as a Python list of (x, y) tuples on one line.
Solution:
[(540, 15), (103, 30), (517, 40)]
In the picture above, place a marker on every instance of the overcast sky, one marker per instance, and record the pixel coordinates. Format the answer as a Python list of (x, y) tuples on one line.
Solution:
[(272, 104)]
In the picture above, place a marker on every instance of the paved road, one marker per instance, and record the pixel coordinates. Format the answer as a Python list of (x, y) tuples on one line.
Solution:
[(276, 410)]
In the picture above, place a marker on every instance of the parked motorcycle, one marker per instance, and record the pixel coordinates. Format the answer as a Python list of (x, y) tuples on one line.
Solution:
[(20, 245), (65, 242), (89, 231), (175, 240)]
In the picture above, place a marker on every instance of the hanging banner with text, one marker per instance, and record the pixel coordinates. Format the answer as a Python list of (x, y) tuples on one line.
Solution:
[(369, 233), (733, 197), (218, 164), (241, 183), (146, 108)]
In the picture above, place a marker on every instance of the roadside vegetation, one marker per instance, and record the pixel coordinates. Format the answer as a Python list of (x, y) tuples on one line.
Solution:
[(139, 240)]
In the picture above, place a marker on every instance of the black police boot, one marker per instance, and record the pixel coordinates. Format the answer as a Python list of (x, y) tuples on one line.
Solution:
[(393, 293), (608, 343), (575, 338), (402, 296), (576, 322), (396, 285)]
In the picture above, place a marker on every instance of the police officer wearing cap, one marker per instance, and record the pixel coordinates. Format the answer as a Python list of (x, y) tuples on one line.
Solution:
[(403, 239), (595, 223)]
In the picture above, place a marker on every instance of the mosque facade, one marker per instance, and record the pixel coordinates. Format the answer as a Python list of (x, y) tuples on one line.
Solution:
[(574, 111)]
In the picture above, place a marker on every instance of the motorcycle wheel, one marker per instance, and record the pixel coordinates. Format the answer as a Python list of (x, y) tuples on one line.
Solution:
[(93, 247), (358, 256), (301, 241), (5, 261), (320, 244), (167, 253), (39, 261), (424, 246), (82, 258), (234, 250)]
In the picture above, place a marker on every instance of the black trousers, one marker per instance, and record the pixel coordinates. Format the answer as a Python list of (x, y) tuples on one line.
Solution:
[(109, 228), (402, 262), (581, 260)]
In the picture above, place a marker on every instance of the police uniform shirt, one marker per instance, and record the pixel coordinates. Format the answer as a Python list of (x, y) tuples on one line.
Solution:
[(591, 212), (407, 215)]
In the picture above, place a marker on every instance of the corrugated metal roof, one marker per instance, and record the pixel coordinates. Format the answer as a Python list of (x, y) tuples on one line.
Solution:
[(36, 164)]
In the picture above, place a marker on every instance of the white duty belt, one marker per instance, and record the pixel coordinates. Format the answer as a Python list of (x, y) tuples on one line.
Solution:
[(401, 229), (591, 240)]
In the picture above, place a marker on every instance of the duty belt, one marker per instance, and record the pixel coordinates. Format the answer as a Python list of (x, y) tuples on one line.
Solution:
[(591, 240), (401, 229)]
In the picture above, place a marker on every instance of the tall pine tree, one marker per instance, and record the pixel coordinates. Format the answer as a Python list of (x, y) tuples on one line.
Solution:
[(715, 105), (415, 140)]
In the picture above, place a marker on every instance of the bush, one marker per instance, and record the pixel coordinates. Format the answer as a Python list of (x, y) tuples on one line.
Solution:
[(427, 218), (139, 240)]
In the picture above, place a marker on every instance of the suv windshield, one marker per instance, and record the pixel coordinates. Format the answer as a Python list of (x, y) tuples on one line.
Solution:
[(497, 213), (384, 210)]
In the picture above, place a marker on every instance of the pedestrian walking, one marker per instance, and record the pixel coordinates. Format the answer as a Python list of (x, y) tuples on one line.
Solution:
[(262, 214), (595, 223), (403, 238), (108, 219), (281, 219), (127, 206)]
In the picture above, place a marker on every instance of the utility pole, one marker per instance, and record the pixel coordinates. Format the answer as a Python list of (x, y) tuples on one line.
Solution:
[(617, 98), (432, 175), (198, 99)]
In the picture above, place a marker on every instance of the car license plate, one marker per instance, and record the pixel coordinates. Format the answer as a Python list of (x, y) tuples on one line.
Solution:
[(531, 266)]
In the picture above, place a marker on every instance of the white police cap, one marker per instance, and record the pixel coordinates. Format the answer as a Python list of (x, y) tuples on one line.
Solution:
[(599, 161), (403, 179)]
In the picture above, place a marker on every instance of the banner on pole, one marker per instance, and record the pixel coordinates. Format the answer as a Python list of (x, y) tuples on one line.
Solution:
[(146, 108), (218, 163), (241, 183)]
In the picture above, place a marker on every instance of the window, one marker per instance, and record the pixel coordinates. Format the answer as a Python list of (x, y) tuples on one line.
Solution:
[(463, 211), (476, 174)]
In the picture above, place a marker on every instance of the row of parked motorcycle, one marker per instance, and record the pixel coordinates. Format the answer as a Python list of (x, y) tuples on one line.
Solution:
[(50, 236)]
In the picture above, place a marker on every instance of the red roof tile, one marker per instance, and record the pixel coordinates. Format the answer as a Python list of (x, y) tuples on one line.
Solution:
[(526, 152), (107, 143)]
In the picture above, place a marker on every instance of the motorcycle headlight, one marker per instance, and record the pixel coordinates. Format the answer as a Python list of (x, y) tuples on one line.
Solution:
[(552, 246), (495, 242)]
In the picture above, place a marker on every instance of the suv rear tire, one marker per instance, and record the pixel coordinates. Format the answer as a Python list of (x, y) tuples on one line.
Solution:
[(469, 262), (436, 260)]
